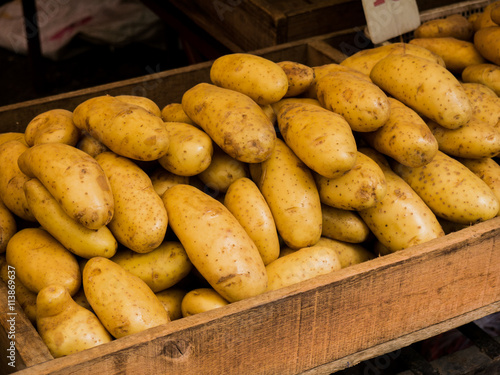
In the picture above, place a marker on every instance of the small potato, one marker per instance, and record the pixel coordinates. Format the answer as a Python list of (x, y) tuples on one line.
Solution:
[(322, 139), (487, 42), (364, 105), (451, 190), (486, 74), (245, 201), (12, 136), (55, 125), (455, 26), (171, 299), (426, 87), (90, 145), (163, 180), (173, 112), (485, 107), (140, 219), (40, 260), (200, 300), (257, 77), (483, 19), (301, 265), (269, 111), (141, 101), (277, 106), (190, 150), (233, 120), (343, 225), (348, 254), (359, 188), (300, 77), (8, 226), (161, 268)]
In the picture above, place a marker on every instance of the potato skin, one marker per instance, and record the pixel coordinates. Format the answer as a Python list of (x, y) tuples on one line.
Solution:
[(200, 300), (486, 74), (8, 226), (455, 26), (300, 77), (261, 79), (140, 219), (233, 120), (426, 87), (348, 254), (343, 225), (74, 179), (174, 112), (162, 179), (485, 107), (322, 139), (141, 101), (171, 299), (487, 42), (55, 125), (90, 145), (13, 136), (216, 243)]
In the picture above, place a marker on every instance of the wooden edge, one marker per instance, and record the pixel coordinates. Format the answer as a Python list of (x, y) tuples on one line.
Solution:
[(326, 49), (457, 8)]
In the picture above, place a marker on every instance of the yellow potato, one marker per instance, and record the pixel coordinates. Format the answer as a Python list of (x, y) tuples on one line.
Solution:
[(257, 77), (322, 139), (495, 13), (349, 254), (200, 300), (363, 104), (343, 225), (487, 42), (486, 74), (8, 226), (426, 87), (140, 219), (123, 302), (288, 186), (90, 145), (40, 260), (483, 19), (359, 188), (457, 54), (55, 125), (485, 107), (233, 120), (245, 201), (173, 112), (163, 179), (74, 179), (10, 136), (190, 150), (478, 90), (126, 129), (455, 26), (216, 243), (81, 299), (75, 237), (277, 106), (161, 268), (141, 101), (12, 179), (171, 299), (477, 139), (300, 265), (451, 190), (401, 219), (65, 326), (300, 77), (404, 137), (269, 111)]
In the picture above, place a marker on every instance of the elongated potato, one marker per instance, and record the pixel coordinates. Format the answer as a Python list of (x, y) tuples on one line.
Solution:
[(343, 225), (261, 79), (364, 105), (200, 300), (487, 42), (55, 125), (289, 188), (485, 107), (404, 137), (483, 19), (126, 129), (451, 190), (75, 237), (486, 74), (455, 26), (171, 299), (11, 136), (426, 87), (216, 243), (495, 13), (277, 106), (141, 101), (300, 77), (401, 219), (245, 201), (74, 179), (233, 120), (8, 226), (163, 179), (90, 145), (174, 112), (322, 139), (140, 219), (348, 253)]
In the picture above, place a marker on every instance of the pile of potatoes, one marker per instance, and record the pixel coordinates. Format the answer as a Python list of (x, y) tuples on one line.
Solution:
[(119, 215)]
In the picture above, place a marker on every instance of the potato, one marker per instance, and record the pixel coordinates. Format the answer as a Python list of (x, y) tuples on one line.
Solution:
[(171, 299), (455, 26), (426, 87), (401, 219), (288, 186), (200, 300), (485, 107), (55, 125), (359, 188), (123, 302), (487, 42), (216, 243), (74, 179), (257, 77), (269, 111), (477, 139), (163, 179), (141, 101), (366, 59), (277, 106), (495, 13), (12, 180), (65, 326), (457, 54), (343, 225), (190, 150), (364, 105), (299, 76), (174, 112), (81, 299), (451, 190), (245, 201), (483, 19), (90, 145), (8, 226), (140, 219), (486, 74), (128, 130), (404, 137), (161, 268), (349, 254), (75, 237), (300, 265), (40, 260), (12, 136), (478, 90), (233, 120), (322, 139)]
